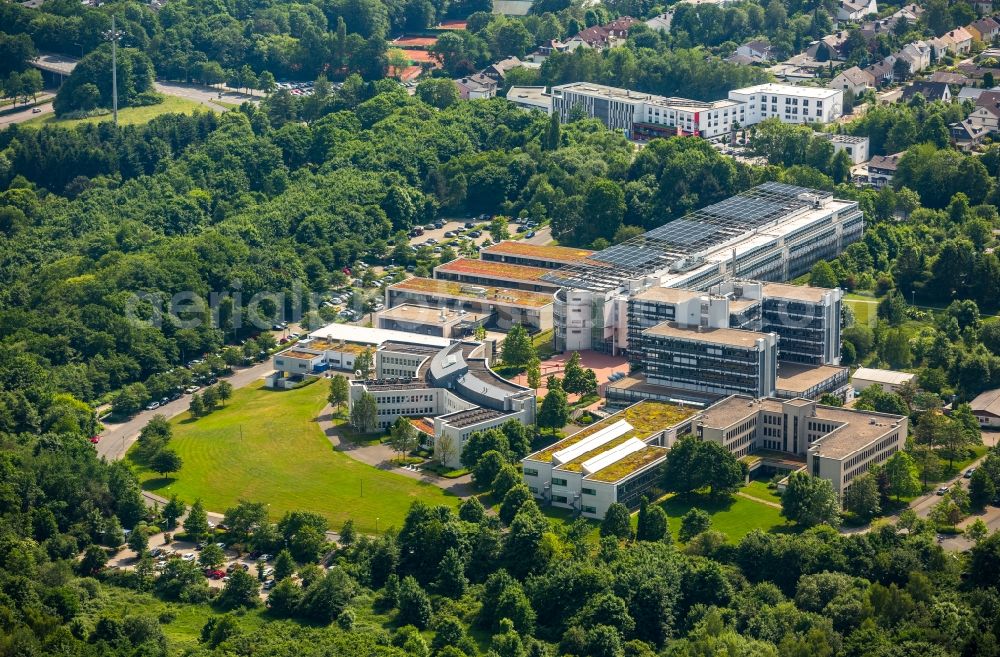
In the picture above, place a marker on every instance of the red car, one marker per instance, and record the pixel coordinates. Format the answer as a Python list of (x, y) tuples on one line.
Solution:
[(95, 439), (215, 574)]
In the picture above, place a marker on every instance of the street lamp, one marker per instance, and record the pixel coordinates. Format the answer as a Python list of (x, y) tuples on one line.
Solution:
[(113, 35)]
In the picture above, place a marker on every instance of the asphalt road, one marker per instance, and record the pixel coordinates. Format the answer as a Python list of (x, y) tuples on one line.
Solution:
[(206, 96), (25, 114), (117, 438)]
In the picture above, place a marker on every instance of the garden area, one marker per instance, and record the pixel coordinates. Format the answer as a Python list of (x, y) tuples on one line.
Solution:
[(267, 446)]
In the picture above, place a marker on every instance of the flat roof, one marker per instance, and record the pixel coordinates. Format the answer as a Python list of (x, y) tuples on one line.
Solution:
[(493, 269), (295, 353), (788, 90), (375, 336), (741, 304), (690, 247), (637, 460), (859, 428), (471, 416), (520, 248), (488, 294), (646, 417), (800, 378), (404, 348), (854, 430), (796, 292), (724, 336), (669, 294), (891, 377), (427, 315)]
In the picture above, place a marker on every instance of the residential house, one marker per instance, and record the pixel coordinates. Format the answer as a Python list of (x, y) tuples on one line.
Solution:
[(985, 29), (948, 78), (940, 46), (982, 7), (547, 48), (498, 71), (911, 12), (966, 134), (476, 86), (918, 54), (854, 80), (600, 37), (881, 72), (882, 168), (969, 93), (740, 60), (977, 72), (988, 98), (856, 10), (757, 50), (931, 91), (661, 22), (962, 38), (834, 47)]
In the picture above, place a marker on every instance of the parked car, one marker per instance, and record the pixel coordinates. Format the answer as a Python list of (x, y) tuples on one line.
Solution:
[(192, 389), (943, 490), (152, 406), (188, 556), (530, 234), (469, 224), (36, 110), (269, 584), (449, 234), (95, 439), (969, 473)]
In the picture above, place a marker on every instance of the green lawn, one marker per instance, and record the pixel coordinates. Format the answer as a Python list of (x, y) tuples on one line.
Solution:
[(266, 445), (734, 518), (126, 116), (759, 490)]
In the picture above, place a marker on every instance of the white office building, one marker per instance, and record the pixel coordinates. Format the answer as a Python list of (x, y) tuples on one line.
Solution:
[(790, 103), (773, 232), (643, 116)]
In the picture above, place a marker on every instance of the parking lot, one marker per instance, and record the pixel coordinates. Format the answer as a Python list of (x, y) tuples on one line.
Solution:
[(126, 559), (438, 234)]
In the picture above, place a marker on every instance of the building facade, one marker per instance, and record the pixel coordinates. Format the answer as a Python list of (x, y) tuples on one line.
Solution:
[(789, 103)]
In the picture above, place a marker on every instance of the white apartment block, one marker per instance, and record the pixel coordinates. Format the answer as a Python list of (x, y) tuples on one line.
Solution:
[(789, 103)]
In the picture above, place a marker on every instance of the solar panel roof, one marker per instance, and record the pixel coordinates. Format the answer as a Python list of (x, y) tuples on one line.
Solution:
[(687, 237)]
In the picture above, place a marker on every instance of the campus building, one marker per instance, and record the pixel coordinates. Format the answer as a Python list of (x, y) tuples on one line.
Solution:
[(773, 232), (534, 255), (428, 320), (336, 347), (503, 306), (617, 459), (493, 273), (450, 387), (837, 444), (721, 361)]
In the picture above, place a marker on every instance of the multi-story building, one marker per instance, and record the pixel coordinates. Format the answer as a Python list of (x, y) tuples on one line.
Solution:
[(645, 116), (620, 458), (837, 444), (336, 347), (615, 460), (534, 255), (427, 320), (490, 273), (504, 306), (720, 361), (789, 103), (451, 388), (807, 321), (773, 232)]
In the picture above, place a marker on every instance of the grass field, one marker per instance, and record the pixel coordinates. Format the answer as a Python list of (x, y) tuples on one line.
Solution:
[(734, 518), (759, 490), (126, 116), (267, 446)]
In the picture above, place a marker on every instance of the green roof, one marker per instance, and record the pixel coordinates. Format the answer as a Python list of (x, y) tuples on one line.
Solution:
[(646, 417), (631, 463)]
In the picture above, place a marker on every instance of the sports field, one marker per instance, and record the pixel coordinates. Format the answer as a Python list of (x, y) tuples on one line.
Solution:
[(266, 446)]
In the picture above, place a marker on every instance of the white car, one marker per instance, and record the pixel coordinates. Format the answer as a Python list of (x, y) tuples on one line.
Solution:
[(221, 545), (188, 556)]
